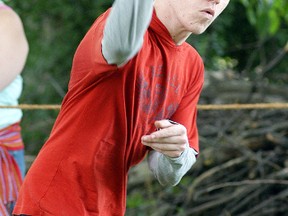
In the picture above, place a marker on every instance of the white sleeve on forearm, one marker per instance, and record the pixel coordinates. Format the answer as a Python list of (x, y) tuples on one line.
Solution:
[(169, 171), (125, 29)]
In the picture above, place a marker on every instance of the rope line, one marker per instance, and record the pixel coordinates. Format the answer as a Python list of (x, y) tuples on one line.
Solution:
[(33, 107), (200, 106), (243, 106)]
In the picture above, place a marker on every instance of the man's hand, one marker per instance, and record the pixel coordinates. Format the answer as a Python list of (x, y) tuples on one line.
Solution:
[(170, 139)]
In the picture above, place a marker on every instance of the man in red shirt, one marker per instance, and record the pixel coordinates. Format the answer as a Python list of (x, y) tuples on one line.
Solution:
[(134, 88)]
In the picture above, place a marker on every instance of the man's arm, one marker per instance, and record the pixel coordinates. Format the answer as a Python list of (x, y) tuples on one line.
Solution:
[(125, 29), (171, 156), (169, 171)]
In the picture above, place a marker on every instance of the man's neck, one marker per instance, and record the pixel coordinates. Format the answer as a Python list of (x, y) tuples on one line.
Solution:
[(165, 15)]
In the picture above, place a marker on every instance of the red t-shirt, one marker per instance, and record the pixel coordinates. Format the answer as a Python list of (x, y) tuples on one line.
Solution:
[(82, 169)]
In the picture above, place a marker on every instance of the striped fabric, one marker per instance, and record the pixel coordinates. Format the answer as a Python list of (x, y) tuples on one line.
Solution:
[(3, 210), (10, 180), (11, 138), (10, 175)]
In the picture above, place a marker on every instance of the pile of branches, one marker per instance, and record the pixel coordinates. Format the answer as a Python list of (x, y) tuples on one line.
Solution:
[(242, 168)]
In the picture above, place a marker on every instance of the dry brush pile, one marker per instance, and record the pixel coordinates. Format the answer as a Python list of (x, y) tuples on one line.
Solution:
[(243, 166)]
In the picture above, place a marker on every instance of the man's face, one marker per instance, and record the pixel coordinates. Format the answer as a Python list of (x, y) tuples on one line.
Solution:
[(196, 15)]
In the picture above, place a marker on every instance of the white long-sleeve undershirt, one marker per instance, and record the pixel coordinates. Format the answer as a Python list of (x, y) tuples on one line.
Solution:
[(169, 171), (125, 29)]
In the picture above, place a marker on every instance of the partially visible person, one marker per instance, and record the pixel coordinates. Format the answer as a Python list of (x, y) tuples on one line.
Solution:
[(13, 54)]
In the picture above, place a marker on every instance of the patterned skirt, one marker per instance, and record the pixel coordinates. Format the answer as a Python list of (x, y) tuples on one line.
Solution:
[(10, 175)]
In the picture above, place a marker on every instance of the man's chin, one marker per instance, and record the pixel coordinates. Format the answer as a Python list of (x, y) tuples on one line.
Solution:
[(200, 30)]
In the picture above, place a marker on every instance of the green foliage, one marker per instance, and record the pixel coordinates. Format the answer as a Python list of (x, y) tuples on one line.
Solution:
[(134, 200), (252, 34), (266, 15), (270, 21)]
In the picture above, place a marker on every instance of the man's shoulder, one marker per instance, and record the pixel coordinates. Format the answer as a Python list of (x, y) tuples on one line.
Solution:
[(191, 51)]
